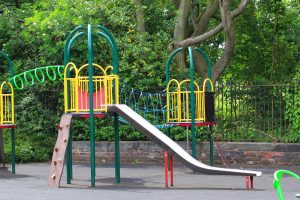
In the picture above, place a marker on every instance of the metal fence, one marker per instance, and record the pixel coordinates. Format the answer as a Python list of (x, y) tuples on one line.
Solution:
[(243, 112), (254, 112)]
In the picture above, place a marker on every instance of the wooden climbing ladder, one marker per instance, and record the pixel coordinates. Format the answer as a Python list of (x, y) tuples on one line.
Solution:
[(59, 152)]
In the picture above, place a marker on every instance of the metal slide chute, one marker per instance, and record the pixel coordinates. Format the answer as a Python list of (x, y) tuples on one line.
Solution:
[(171, 146)]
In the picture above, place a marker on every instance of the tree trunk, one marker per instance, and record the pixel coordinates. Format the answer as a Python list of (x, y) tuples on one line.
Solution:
[(181, 29), (140, 16), (225, 58), (201, 66), (200, 33)]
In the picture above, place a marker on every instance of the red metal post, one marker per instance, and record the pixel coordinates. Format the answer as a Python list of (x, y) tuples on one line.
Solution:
[(171, 170), (251, 182), (166, 168), (247, 182)]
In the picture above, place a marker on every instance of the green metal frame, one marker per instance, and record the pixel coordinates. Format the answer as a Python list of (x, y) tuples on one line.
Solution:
[(277, 179), (74, 35), (13, 135), (209, 74)]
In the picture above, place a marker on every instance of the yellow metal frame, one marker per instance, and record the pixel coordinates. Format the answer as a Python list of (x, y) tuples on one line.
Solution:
[(179, 102), (7, 104), (108, 84)]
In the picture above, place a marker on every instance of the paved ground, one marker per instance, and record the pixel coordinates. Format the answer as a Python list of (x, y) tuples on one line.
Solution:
[(138, 182)]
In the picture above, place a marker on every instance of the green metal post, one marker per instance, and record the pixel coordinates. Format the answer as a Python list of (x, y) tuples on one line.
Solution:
[(109, 37), (117, 149), (193, 129), (91, 91), (13, 151), (209, 75), (67, 53)]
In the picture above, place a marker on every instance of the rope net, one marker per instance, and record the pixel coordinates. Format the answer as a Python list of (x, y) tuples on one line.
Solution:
[(152, 106)]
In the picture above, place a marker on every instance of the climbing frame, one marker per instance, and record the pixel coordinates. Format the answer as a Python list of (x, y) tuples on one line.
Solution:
[(58, 158)]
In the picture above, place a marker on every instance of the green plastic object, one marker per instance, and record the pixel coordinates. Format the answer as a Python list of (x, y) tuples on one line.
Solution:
[(28, 78), (277, 178)]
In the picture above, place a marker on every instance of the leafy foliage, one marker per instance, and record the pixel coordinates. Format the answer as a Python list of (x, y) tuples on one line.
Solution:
[(293, 109)]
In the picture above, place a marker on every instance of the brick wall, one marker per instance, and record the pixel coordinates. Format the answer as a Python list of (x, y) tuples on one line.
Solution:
[(245, 154)]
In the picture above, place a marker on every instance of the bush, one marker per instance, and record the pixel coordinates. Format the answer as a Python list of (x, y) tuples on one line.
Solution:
[(30, 148)]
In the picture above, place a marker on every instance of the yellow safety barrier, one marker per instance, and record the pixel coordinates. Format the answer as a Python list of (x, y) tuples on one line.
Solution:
[(179, 101), (7, 105), (106, 88)]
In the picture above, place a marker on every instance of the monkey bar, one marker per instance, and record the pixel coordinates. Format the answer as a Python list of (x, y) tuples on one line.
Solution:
[(76, 88)]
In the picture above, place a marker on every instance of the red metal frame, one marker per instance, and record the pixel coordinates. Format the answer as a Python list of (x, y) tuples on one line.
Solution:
[(87, 115), (3, 126), (167, 170), (247, 182), (95, 116)]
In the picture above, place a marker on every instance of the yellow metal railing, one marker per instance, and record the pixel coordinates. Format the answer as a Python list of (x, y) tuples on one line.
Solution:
[(106, 89), (7, 108), (179, 100)]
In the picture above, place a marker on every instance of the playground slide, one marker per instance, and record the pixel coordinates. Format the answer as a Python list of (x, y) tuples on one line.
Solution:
[(172, 147), (57, 163)]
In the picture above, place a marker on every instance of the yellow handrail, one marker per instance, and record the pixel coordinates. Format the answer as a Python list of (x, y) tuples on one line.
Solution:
[(178, 101), (210, 82), (106, 88), (7, 104), (173, 102)]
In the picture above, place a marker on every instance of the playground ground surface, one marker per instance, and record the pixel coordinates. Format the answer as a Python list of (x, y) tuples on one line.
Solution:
[(139, 181)]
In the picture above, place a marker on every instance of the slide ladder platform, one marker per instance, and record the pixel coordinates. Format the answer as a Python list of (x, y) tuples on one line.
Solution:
[(171, 146), (59, 152)]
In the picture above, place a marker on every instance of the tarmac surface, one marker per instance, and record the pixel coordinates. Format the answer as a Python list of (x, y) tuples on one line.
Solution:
[(139, 182)]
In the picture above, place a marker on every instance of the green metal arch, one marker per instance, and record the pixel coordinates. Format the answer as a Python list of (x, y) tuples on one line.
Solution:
[(70, 44), (70, 36), (169, 61), (114, 48), (10, 63), (206, 58)]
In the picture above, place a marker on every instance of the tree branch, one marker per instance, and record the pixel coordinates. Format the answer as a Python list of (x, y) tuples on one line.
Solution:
[(194, 40), (140, 16), (202, 20), (176, 3), (225, 58), (181, 28)]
